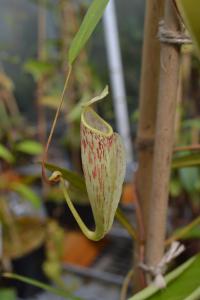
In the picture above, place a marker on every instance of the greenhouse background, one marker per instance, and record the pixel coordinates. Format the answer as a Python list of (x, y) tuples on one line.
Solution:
[(152, 103)]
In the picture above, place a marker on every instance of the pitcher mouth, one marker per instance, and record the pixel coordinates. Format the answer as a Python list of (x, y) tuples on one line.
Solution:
[(94, 122)]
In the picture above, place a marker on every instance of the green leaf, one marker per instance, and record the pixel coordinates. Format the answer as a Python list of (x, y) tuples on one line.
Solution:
[(46, 287), (50, 101), (175, 187), (189, 177), (87, 27), (192, 123), (6, 154), (27, 193), (29, 147), (73, 178), (194, 233), (7, 294), (77, 187), (186, 160), (38, 68), (4, 117), (75, 114), (190, 11), (182, 283), (191, 230)]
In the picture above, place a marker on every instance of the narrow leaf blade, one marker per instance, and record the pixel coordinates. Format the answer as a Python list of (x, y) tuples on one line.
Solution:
[(190, 11), (27, 193), (6, 154), (29, 147), (73, 178), (181, 283), (44, 286), (87, 27), (187, 160)]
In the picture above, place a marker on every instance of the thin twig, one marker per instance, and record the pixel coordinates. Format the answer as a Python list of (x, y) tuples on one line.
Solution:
[(141, 230), (139, 219), (44, 159), (194, 147), (125, 285)]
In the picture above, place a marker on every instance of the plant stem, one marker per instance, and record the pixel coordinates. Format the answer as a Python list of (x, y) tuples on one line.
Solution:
[(165, 127), (124, 289)]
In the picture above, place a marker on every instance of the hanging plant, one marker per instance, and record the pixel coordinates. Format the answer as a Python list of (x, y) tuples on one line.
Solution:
[(103, 160), (103, 155)]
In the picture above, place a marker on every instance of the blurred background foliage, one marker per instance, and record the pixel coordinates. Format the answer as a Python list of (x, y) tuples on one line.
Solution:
[(18, 48), (32, 74)]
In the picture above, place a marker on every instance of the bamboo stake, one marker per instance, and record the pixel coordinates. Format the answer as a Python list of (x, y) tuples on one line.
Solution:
[(148, 102), (147, 122), (169, 76)]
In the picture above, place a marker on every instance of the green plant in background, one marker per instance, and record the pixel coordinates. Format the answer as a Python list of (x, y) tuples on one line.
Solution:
[(186, 176), (16, 136), (6, 154), (54, 253), (185, 181), (45, 287), (190, 11), (9, 112), (15, 142), (17, 235), (7, 294), (20, 234)]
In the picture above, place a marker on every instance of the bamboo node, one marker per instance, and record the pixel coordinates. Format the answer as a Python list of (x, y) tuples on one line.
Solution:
[(168, 36), (145, 143), (157, 272)]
